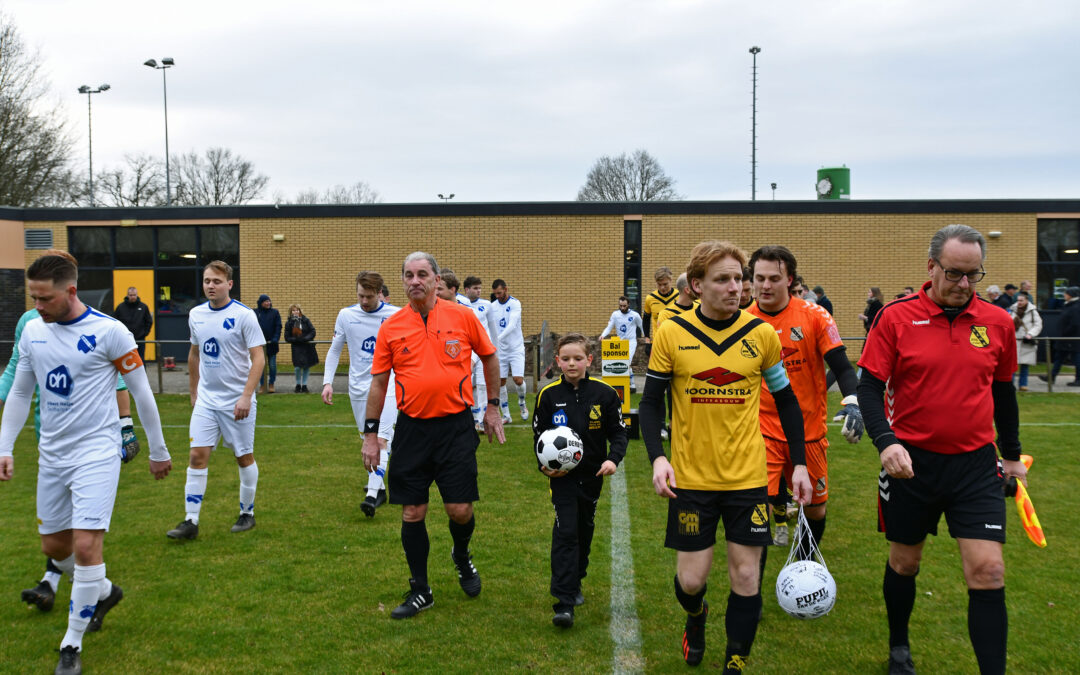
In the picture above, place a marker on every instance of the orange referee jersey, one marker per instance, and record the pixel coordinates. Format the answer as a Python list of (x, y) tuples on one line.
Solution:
[(807, 332), (432, 361)]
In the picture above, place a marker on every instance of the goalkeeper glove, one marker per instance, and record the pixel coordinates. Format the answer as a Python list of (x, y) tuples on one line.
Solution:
[(129, 441), (851, 416)]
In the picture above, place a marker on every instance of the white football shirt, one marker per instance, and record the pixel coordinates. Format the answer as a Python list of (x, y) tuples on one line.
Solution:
[(224, 337), (483, 310), (626, 326), (357, 329), (76, 365), (509, 322)]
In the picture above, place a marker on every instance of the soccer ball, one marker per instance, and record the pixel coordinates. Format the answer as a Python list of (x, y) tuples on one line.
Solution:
[(806, 590), (559, 449)]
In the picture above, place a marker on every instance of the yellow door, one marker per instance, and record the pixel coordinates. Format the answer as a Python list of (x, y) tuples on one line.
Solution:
[(143, 281)]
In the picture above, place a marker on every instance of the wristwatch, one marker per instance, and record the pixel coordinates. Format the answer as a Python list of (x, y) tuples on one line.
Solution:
[(494, 402)]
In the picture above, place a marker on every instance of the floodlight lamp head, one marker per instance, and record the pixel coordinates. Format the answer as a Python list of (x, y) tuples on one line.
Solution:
[(104, 87), (755, 50), (84, 89), (168, 61), (150, 62)]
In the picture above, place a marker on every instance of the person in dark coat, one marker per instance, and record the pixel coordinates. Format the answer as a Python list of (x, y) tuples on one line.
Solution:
[(137, 317), (270, 322), (1069, 326), (874, 302), (825, 302), (299, 332)]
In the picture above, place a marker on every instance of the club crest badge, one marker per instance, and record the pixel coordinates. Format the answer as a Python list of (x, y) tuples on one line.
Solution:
[(796, 333), (86, 343), (979, 337), (452, 348)]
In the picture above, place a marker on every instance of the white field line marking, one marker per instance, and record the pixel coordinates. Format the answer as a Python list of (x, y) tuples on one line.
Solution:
[(626, 657)]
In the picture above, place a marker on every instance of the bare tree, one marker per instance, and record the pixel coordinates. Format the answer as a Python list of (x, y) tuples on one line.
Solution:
[(635, 178), (140, 183), (35, 147), (357, 193), (215, 178)]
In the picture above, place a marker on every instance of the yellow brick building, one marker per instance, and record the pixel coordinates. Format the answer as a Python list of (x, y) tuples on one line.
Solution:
[(310, 255)]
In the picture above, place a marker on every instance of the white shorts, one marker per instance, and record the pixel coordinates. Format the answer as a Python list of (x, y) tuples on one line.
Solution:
[(208, 426), (477, 371), (77, 497), (511, 364), (386, 420)]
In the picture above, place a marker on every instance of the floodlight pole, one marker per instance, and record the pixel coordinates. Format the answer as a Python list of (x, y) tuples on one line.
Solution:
[(754, 51), (90, 129), (166, 63)]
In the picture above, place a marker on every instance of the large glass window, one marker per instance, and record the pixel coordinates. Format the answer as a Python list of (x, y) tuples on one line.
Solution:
[(91, 246), (177, 291), (177, 247), (220, 243), (95, 289), (1059, 260), (135, 247)]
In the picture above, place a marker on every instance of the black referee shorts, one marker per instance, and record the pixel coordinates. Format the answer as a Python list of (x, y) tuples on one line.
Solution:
[(967, 488), (440, 450)]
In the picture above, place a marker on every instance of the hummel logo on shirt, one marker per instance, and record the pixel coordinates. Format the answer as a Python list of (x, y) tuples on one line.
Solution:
[(924, 322)]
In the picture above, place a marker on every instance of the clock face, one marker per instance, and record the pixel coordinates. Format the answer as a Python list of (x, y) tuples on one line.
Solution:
[(824, 186)]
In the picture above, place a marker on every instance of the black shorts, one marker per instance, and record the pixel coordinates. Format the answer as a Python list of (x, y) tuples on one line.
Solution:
[(967, 488), (694, 514), (440, 450)]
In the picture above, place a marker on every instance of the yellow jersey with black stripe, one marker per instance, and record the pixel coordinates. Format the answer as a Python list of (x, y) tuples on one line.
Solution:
[(655, 303), (675, 309), (716, 370)]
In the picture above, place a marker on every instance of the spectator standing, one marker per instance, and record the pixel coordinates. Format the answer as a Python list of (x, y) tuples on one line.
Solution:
[(1069, 327), (136, 316), (823, 300), (299, 332), (874, 303), (1028, 324), (270, 323)]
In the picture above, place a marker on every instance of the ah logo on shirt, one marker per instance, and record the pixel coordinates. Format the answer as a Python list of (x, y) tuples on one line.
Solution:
[(559, 419), (210, 348), (368, 345), (86, 343), (229, 323), (58, 381), (623, 328), (502, 322)]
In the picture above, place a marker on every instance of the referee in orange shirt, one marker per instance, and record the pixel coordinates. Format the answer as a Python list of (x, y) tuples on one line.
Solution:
[(429, 345)]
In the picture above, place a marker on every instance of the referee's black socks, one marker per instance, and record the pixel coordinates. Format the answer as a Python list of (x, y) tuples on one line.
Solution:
[(988, 627), (461, 533), (899, 592), (741, 622), (414, 539)]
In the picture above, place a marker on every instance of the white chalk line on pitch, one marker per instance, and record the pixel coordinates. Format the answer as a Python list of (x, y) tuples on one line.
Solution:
[(624, 630)]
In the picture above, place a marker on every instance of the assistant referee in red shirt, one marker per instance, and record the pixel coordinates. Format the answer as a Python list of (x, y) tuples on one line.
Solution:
[(946, 359), (429, 345)]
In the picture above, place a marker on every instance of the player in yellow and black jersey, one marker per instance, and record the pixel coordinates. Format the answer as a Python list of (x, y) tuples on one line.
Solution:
[(684, 302), (656, 301), (715, 360)]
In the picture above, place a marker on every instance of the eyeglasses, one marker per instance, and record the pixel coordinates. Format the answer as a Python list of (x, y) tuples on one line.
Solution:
[(956, 275)]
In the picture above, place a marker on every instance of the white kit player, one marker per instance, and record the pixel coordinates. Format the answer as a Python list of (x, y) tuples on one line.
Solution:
[(626, 324), (510, 347), (357, 326), (482, 308), (73, 354), (224, 364)]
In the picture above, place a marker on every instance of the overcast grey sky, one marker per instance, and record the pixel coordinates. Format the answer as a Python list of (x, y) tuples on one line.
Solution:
[(510, 101)]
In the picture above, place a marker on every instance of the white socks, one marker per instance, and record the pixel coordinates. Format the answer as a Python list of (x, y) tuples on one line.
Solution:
[(505, 405), (376, 479), (89, 585), (249, 480), (194, 491)]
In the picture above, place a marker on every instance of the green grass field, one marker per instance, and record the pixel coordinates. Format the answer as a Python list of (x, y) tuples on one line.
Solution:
[(310, 589)]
